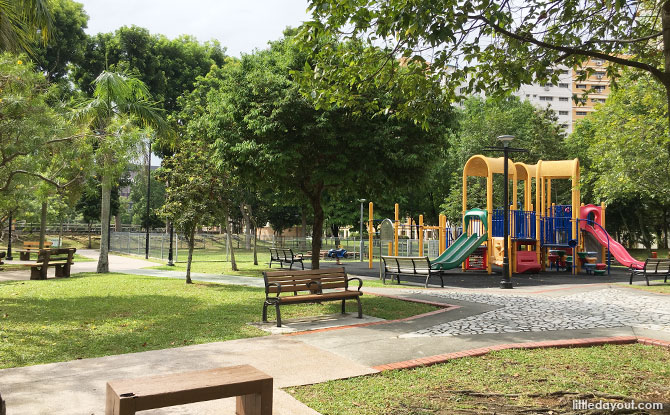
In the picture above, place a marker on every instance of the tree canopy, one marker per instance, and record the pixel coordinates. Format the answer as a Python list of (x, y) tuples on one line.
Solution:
[(478, 45), (271, 135)]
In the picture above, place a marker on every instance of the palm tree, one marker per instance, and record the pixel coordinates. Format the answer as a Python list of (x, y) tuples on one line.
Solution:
[(119, 103), (22, 22)]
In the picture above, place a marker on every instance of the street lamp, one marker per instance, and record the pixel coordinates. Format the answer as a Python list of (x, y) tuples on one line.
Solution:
[(506, 282), (9, 241), (146, 217), (360, 235), (170, 262)]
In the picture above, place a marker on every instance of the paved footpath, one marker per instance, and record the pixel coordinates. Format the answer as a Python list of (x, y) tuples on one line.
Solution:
[(474, 318)]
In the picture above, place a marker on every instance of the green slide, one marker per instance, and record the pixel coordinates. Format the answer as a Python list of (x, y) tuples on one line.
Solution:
[(456, 254)]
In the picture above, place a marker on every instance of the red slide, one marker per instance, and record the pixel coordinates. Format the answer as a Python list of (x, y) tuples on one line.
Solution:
[(618, 251)]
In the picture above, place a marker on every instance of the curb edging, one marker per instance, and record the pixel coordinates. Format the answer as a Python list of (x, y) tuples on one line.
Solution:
[(587, 342)]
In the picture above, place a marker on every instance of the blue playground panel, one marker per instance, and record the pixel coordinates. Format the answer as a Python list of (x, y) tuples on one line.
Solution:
[(555, 230)]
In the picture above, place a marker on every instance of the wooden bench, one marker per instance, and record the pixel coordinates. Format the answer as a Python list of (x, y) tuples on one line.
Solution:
[(285, 256), (61, 259), (252, 388), (31, 246), (414, 266), (308, 286), (655, 267)]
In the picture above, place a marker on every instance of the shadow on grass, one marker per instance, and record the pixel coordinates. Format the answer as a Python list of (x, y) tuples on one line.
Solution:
[(54, 323)]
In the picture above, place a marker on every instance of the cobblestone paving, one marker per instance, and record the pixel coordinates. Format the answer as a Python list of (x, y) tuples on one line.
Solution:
[(604, 308)]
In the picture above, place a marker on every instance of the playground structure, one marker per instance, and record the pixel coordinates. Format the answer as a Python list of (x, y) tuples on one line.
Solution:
[(541, 234)]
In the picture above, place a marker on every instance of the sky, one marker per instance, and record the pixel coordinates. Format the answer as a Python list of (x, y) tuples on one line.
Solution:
[(240, 25)]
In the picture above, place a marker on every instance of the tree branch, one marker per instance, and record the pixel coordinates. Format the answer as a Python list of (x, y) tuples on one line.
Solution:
[(575, 50)]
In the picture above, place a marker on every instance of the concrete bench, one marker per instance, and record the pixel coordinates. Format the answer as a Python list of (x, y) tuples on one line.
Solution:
[(252, 388)]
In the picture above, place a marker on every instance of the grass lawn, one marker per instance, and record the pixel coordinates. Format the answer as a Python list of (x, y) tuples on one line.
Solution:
[(90, 315), (507, 382), (642, 254), (656, 286)]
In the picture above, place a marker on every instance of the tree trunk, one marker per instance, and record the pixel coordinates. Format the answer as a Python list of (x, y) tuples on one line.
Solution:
[(335, 229), (117, 223), (103, 260), (43, 224), (229, 241), (256, 245), (303, 243), (191, 245), (247, 225), (90, 245), (317, 225)]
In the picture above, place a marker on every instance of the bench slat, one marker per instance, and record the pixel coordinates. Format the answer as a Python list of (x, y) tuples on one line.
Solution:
[(270, 274)]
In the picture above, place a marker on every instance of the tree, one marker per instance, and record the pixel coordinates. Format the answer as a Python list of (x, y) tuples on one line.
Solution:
[(119, 105), (36, 142), (67, 42), (196, 194), (89, 204), (268, 133), (167, 67), (138, 195), (22, 22), (626, 148), (479, 45)]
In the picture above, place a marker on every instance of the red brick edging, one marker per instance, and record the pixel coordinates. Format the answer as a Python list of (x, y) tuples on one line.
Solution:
[(595, 341)]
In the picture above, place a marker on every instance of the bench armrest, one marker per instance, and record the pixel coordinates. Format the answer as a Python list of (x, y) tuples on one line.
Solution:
[(276, 284), (360, 282)]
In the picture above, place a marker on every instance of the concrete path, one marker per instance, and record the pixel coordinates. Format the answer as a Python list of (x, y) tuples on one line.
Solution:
[(478, 317)]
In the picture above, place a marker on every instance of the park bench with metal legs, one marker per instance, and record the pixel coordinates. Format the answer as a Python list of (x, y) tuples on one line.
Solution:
[(653, 267), (285, 256), (252, 388), (61, 259), (308, 286), (409, 266)]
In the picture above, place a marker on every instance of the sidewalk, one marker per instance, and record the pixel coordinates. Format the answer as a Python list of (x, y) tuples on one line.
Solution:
[(482, 317)]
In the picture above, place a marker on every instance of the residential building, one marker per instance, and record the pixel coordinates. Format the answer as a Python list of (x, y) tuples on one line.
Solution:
[(556, 96), (597, 84)]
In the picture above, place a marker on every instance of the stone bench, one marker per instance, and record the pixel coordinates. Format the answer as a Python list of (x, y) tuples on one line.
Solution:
[(252, 388)]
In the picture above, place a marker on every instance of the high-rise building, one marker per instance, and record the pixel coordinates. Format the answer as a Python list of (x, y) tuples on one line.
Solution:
[(557, 96), (597, 83)]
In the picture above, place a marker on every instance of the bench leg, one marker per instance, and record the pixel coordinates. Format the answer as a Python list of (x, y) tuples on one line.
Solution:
[(278, 315), (360, 308), (255, 404), (441, 280), (343, 307), (24, 256), (265, 312), (646, 277), (302, 265), (629, 282), (426, 284)]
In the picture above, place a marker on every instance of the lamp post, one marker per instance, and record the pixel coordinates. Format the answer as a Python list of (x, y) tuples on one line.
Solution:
[(170, 262), (146, 217), (360, 234), (9, 242), (505, 282)]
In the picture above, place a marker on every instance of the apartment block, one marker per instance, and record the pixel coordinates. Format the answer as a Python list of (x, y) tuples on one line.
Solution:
[(598, 85), (557, 96)]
